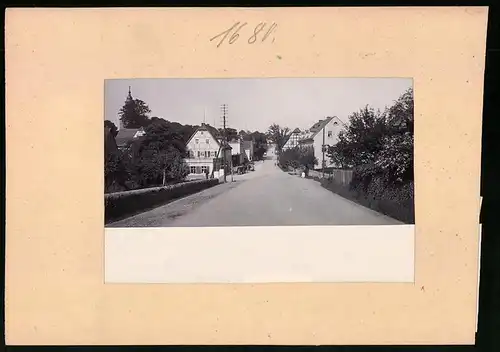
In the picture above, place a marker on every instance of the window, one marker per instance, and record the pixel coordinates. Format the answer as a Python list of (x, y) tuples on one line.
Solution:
[(192, 169), (329, 133), (199, 154), (207, 153), (207, 140), (191, 154), (197, 141), (214, 154), (201, 133), (335, 123), (204, 169)]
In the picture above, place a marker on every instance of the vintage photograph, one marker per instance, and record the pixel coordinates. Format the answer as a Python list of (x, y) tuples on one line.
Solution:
[(258, 152)]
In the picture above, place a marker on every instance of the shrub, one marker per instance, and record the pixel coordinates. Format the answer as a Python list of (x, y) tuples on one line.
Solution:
[(121, 204), (394, 200)]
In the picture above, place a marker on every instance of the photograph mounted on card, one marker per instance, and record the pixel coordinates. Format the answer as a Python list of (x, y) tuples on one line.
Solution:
[(237, 159)]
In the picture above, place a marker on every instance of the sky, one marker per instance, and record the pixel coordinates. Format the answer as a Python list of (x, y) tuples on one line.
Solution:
[(254, 104)]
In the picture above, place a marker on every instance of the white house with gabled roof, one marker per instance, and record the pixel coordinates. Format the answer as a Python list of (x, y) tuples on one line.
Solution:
[(205, 152), (322, 134)]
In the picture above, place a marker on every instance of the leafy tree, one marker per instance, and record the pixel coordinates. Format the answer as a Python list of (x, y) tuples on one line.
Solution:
[(230, 133), (112, 127), (362, 140), (278, 135), (307, 158), (379, 143), (158, 156), (134, 113)]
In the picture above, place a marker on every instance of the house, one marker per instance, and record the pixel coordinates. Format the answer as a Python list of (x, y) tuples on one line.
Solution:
[(293, 140), (322, 134), (237, 152), (127, 135), (206, 152), (248, 149)]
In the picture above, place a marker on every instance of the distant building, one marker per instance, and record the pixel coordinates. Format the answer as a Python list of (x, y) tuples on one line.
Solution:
[(322, 134), (293, 140), (248, 149), (237, 151), (205, 152), (127, 135)]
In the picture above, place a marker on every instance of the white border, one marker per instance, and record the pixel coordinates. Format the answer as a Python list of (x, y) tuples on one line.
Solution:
[(260, 254)]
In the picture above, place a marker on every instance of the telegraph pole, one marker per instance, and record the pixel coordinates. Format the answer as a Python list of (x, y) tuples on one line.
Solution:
[(224, 138)]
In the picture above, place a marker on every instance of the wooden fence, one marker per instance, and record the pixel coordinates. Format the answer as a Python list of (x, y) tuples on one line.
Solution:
[(339, 176)]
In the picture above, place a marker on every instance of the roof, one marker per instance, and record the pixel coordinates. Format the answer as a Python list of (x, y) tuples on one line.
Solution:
[(126, 135), (295, 131), (203, 127)]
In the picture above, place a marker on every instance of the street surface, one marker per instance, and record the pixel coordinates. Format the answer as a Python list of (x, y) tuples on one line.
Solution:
[(267, 196)]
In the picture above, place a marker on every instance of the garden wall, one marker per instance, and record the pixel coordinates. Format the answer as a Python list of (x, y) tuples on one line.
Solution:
[(121, 204)]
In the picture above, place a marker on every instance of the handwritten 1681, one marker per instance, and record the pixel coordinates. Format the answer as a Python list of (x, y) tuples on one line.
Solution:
[(261, 32)]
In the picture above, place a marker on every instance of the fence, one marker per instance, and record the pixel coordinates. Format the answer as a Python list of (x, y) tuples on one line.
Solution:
[(340, 176)]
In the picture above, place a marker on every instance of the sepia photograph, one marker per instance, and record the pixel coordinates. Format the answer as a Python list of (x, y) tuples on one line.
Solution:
[(258, 152)]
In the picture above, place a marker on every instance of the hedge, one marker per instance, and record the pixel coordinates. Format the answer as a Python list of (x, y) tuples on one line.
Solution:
[(394, 201), (121, 204)]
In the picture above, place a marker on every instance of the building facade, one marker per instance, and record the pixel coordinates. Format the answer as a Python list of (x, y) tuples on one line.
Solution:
[(322, 134), (293, 140), (205, 152)]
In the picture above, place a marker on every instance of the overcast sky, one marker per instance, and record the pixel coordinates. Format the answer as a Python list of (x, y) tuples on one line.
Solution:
[(254, 104)]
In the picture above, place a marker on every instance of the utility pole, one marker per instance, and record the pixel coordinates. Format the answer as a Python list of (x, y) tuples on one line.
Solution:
[(323, 150), (224, 138)]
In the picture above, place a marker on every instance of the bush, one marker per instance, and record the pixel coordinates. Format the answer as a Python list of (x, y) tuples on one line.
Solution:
[(396, 201), (121, 204)]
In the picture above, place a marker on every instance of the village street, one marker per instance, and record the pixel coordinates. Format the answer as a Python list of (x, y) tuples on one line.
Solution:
[(265, 197)]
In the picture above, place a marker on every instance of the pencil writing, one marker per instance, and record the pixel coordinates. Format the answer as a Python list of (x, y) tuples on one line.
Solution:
[(233, 33)]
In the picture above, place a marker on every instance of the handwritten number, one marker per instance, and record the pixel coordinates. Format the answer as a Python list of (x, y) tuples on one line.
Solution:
[(234, 32), (236, 35), (269, 31), (256, 31)]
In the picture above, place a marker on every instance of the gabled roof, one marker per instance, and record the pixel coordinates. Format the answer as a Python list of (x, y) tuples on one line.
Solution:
[(295, 131), (126, 135), (318, 126), (203, 127)]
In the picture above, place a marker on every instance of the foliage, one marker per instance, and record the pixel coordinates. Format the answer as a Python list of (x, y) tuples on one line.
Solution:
[(378, 143), (229, 135), (112, 127), (134, 113), (122, 204), (298, 157), (279, 135)]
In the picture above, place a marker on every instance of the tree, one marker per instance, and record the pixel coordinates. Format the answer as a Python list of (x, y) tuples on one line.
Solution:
[(229, 134), (158, 156), (379, 143), (362, 140), (307, 158), (112, 127), (279, 135), (134, 113)]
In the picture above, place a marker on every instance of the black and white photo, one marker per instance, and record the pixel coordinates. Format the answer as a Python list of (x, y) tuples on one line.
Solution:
[(258, 152)]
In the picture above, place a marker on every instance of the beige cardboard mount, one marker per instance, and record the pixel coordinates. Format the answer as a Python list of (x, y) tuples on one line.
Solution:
[(56, 63)]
